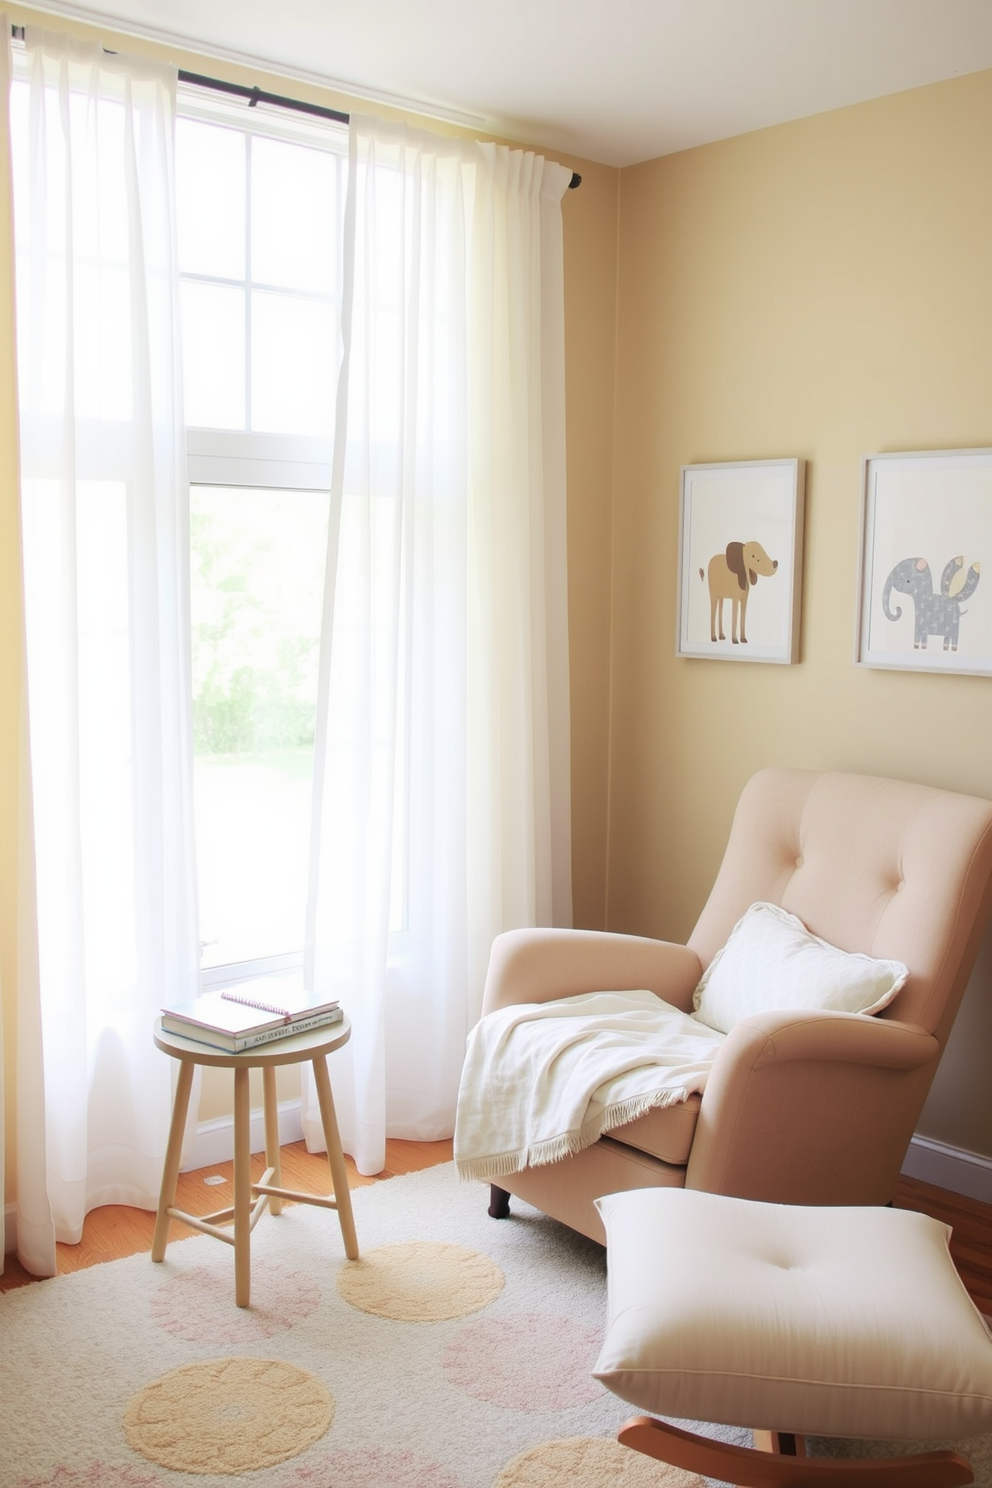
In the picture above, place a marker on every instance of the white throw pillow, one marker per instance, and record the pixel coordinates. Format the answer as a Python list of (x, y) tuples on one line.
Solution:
[(771, 963)]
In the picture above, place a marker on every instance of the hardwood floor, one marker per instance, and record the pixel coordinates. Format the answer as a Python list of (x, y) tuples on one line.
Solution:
[(971, 1238), (116, 1231)]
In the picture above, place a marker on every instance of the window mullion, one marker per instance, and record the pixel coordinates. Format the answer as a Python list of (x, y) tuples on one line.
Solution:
[(248, 277)]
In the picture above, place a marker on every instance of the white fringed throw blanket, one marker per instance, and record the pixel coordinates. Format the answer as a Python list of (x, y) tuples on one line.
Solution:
[(543, 1080)]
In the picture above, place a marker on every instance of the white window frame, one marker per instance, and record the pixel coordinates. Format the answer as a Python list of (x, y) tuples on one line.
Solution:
[(286, 462), (243, 458)]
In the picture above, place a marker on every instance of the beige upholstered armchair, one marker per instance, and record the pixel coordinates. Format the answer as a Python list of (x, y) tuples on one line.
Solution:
[(799, 1107)]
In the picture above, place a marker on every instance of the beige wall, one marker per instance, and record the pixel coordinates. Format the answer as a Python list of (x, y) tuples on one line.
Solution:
[(822, 289)]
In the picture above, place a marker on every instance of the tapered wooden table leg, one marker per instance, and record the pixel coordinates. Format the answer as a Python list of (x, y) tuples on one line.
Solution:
[(173, 1153), (272, 1158), (242, 1187), (335, 1157)]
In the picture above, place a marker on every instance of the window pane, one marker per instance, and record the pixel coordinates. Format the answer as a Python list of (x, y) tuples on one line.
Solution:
[(257, 573), (210, 199), (213, 355), (294, 235), (294, 355)]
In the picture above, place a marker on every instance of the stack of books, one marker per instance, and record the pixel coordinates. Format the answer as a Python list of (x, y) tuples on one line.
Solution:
[(250, 1013)]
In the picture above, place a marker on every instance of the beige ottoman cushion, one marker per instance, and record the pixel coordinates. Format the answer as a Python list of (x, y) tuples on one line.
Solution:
[(832, 1322)]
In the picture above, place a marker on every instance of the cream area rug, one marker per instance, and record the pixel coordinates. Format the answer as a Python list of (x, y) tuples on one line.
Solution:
[(456, 1353)]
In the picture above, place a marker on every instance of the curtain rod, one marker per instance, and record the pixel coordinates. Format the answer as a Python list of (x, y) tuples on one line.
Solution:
[(258, 95)]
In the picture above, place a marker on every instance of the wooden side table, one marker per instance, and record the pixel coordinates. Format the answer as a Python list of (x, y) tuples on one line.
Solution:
[(250, 1199)]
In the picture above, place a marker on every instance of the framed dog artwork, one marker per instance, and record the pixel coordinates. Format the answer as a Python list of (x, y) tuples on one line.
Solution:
[(740, 560), (926, 532)]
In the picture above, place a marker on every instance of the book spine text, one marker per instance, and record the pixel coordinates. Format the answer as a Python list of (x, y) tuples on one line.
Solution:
[(286, 1030)]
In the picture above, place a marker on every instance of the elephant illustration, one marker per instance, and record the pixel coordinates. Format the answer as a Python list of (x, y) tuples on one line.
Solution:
[(731, 575), (936, 614)]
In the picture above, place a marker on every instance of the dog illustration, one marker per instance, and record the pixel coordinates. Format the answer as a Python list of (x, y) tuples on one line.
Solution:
[(731, 575)]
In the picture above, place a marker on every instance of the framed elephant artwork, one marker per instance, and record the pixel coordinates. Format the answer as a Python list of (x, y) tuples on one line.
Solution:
[(926, 533), (740, 560)]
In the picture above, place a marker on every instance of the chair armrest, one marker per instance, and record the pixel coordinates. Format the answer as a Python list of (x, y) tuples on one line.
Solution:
[(811, 1108), (541, 965), (848, 1038)]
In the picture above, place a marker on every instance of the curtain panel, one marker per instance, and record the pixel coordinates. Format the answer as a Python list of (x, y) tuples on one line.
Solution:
[(441, 798), (105, 557)]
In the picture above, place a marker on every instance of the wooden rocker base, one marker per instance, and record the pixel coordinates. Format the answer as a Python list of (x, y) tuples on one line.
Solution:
[(751, 1468)]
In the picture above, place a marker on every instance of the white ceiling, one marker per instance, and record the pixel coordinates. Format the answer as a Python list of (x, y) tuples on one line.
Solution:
[(616, 81)]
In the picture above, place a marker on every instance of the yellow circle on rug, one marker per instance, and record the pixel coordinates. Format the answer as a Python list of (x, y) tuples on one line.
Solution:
[(228, 1415), (420, 1281), (589, 1462)]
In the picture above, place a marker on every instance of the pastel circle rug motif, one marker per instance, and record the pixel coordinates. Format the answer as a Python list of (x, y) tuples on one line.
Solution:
[(228, 1415), (378, 1467), (529, 1361), (196, 1305), (589, 1462), (95, 1475), (420, 1281)]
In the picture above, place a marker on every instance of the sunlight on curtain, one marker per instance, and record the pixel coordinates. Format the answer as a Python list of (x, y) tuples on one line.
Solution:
[(105, 545), (441, 775)]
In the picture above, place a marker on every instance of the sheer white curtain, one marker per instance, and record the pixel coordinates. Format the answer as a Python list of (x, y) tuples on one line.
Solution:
[(105, 553), (441, 812)]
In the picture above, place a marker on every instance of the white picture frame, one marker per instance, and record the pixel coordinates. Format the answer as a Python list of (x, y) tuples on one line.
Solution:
[(926, 531), (740, 560)]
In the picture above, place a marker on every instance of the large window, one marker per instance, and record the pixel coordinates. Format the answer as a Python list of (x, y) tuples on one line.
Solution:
[(260, 198)]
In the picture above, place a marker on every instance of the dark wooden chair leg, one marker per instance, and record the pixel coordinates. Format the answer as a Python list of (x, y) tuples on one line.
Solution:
[(499, 1202)]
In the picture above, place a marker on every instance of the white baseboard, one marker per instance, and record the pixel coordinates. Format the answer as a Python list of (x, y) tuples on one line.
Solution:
[(953, 1168), (214, 1140), (947, 1167), (933, 1162)]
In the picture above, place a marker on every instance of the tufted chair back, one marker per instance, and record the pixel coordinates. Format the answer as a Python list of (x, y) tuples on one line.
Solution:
[(879, 866)]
